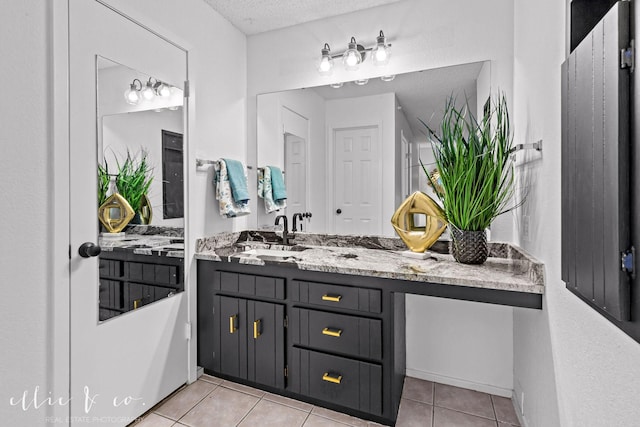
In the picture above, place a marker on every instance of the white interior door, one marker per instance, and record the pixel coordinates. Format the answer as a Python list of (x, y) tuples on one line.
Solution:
[(357, 181), (121, 367), (295, 164)]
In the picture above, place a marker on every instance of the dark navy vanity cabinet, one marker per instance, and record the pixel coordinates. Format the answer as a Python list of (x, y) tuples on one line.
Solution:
[(333, 340), (128, 281)]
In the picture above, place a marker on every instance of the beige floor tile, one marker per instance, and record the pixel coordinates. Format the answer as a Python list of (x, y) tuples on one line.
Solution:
[(338, 416), (418, 390), (443, 417), (414, 414), (243, 388), (463, 400), (270, 414), (318, 421), (211, 379), (184, 400), (154, 420), (501, 424), (505, 411), (303, 406), (222, 407)]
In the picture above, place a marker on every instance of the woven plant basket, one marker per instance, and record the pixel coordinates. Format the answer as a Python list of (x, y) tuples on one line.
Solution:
[(469, 247)]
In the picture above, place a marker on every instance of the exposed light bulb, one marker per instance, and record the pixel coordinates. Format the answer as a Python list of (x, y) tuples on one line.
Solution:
[(382, 51), (163, 90), (352, 57), (148, 92), (326, 61), (132, 95)]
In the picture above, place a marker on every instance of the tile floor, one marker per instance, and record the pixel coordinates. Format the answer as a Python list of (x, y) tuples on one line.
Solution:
[(213, 402)]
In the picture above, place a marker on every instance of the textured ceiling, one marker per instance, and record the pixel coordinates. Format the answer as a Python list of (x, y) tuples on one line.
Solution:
[(421, 94), (257, 16)]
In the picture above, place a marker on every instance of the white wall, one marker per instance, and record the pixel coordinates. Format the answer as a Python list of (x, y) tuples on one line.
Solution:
[(374, 110), (32, 170), (25, 173), (425, 34), (592, 363)]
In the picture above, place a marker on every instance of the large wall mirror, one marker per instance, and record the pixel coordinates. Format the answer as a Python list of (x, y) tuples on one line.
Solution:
[(351, 151), (151, 127)]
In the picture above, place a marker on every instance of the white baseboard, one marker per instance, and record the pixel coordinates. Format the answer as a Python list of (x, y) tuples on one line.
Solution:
[(457, 382)]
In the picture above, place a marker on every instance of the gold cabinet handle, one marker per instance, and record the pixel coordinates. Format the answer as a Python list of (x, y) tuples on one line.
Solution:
[(136, 304), (332, 298), (256, 329), (329, 378), (232, 323), (332, 332)]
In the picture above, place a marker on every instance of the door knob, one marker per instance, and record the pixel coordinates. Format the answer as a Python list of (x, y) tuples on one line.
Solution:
[(88, 249), (338, 211)]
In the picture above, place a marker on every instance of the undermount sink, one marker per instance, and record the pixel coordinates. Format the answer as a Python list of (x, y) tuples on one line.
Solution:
[(278, 253)]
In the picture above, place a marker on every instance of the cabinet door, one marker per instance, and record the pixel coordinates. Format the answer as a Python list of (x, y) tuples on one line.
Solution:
[(230, 346), (265, 343)]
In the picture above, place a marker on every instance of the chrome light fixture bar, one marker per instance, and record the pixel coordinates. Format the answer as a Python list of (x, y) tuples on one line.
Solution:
[(154, 87), (355, 55)]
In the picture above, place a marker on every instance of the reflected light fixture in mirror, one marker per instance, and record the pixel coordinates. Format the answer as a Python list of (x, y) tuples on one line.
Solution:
[(355, 55)]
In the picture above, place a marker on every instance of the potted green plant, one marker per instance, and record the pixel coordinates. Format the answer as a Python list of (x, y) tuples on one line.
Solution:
[(473, 159), (132, 182)]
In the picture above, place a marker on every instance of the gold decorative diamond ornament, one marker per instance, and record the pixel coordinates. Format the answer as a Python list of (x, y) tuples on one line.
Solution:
[(421, 237), (115, 213)]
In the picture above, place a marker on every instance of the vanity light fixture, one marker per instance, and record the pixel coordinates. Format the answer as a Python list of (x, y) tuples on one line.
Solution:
[(132, 95), (355, 55), (388, 78), (361, 82), (336, 85)]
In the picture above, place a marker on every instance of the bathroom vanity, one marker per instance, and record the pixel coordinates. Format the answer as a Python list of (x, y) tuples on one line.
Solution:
[(323, 320)]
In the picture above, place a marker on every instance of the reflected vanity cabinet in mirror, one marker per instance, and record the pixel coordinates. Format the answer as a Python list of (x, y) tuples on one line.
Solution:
[(332, 340)]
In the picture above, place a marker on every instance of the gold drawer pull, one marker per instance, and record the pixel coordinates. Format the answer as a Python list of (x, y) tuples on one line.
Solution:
[(327, 377), (332, 298), (232, 323), (137, 304), (256, 329), (332, 332)]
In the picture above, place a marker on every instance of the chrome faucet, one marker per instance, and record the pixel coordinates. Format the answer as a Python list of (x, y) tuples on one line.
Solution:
[(297, 216), (285, 231)]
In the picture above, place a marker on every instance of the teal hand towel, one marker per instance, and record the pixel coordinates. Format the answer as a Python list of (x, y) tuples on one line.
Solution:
[(237, 181), (277, 184)]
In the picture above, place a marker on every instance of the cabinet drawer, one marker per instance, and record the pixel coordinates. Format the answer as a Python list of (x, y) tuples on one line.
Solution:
[(156, 273), (336, 296), (339, 380), (338, 333), (248, 284)]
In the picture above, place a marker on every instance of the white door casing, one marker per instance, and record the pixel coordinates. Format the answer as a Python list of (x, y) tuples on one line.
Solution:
[(357, 181), (122, 367)]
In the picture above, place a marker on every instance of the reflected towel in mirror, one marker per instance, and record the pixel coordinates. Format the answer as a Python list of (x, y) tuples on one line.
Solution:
[(265, 191), (277, 183)]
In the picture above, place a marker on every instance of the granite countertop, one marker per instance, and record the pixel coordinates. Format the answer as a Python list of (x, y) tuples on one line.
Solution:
[(145, 244), (508, 267)]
